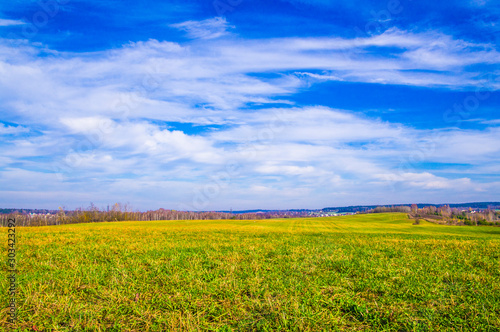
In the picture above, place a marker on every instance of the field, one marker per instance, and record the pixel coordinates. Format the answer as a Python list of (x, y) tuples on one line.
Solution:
[(362, 272)]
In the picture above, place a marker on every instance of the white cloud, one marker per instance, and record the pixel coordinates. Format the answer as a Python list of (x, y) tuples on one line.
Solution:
[(271, 168), (467, 146), (9, 130), (491, 122), (144, 138), (427, 180), (6, 23), (310, 124), (102, 117), (207, 29), (165, 80)]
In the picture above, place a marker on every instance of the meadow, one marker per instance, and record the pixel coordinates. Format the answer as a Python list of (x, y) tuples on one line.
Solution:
[(362, 272)]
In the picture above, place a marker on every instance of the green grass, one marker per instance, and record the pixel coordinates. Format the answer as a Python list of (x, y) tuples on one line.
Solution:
[(363, 272)]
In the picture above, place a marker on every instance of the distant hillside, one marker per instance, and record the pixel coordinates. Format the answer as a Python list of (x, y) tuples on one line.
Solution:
[(362, 208), (26, 211)]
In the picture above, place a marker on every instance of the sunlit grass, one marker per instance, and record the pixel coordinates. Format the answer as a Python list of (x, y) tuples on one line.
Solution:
[(368, 272)]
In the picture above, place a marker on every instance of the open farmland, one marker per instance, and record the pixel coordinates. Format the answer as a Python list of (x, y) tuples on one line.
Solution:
[(375, 271)]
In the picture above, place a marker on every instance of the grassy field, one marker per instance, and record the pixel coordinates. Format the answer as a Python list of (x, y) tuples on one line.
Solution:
[(363, 272)]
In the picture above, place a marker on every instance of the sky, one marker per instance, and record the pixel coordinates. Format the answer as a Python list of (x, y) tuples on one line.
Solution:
[(239, 104)]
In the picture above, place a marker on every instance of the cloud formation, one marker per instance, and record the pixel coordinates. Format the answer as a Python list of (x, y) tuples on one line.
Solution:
[(6, 23), (207, 29), (105, 122)]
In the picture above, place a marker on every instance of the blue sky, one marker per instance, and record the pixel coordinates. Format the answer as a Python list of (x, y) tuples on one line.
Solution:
[(244, 104)]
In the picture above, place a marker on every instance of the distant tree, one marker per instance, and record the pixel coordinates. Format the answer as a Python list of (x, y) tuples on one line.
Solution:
[(61, 216), (445, 211), (490, 216)]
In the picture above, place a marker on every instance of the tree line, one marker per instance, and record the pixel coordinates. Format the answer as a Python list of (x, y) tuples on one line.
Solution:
[(446, 214), (122, 212)]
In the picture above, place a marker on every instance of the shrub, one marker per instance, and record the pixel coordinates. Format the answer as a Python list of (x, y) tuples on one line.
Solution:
[(483, 222)]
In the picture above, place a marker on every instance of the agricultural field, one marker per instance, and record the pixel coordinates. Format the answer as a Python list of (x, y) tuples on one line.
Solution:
[(361, 272)]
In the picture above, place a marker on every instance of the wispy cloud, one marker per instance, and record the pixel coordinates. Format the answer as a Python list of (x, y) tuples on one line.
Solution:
[(207, 29), (8, 130), (6, 22), (104, 119)]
